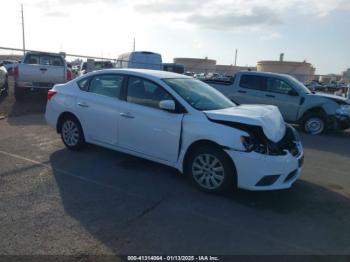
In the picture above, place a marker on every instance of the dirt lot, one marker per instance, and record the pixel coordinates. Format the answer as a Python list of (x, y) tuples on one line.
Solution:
[(97, 201)]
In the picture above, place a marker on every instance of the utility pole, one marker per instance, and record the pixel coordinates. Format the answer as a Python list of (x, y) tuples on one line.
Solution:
[(236, 57), (23, 36), (134, 45)]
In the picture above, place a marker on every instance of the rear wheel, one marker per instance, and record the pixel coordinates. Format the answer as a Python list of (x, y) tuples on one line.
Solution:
[(72, 133), (314, 124), (211, 169)]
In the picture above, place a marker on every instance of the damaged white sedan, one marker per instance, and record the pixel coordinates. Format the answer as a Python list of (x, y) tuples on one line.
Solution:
[(180, 122)]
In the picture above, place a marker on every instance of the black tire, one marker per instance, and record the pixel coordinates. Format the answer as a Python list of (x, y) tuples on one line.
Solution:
[(19, 93), (314, 124), (71, 133), (229, 181)]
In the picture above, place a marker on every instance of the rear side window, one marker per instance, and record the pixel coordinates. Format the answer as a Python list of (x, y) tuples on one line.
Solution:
[(32, 59), (253, 82), (106, 85), (84, 84)]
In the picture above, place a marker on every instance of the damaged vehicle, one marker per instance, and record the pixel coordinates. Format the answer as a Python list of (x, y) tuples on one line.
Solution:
[(181, 122), (314, 112)]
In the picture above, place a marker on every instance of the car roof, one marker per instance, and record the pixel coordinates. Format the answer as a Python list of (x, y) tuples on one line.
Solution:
[(155, 74), (262, 73)]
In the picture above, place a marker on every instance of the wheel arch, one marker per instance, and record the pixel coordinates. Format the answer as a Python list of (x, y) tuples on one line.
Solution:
[(314, 110), (64, 115), (200, 143)]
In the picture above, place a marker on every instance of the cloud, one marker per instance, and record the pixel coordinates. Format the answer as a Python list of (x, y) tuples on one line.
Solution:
[(178, 6), (271, 36), (57, 14), (258, 16)]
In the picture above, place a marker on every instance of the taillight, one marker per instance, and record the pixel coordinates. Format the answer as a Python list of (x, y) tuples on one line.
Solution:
[(69, 75), (15, 72), (50, 94)]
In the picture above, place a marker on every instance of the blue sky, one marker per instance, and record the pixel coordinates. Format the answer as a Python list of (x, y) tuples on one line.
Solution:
[(317, 31)]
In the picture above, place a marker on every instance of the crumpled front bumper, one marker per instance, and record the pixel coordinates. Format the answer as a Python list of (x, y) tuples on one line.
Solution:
[(266, 172)]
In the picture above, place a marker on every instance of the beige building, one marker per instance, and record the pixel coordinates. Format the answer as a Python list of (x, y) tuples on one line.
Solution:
[(197, 65), (301, 70)]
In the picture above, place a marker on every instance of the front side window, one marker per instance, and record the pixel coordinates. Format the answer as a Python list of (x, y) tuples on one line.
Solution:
[(198, 94), (253, 82), (145, 93), (106, 85), (278, 86)]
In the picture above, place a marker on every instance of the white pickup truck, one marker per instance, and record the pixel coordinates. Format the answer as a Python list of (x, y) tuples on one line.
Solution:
[(40, 71)]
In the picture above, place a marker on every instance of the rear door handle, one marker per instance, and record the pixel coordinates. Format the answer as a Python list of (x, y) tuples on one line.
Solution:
[(43, 69), (270, 96), (82, 104), (126, 115), (242, 91)]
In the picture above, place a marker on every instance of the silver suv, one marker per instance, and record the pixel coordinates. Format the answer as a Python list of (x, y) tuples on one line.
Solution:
[(315, 112)]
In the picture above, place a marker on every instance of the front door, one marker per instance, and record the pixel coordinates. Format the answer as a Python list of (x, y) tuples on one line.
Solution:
[(144, 127)]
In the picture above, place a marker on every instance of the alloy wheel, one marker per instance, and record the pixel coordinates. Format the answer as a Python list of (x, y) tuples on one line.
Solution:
[(208, 171), (70, 133)]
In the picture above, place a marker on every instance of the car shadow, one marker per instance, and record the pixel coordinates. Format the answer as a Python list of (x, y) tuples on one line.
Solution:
[(115, 197)]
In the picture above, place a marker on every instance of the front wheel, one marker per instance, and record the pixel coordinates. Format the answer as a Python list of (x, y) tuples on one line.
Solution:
[(211, 170), (314, 124), (71, 133)]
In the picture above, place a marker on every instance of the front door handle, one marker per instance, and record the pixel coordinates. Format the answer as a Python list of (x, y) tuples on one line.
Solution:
[(82, 104), (242, 91), (126, 115), (272, 96), (43, 69)]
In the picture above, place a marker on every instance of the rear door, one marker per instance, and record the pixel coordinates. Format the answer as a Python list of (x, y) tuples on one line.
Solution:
[(98, 107), (250, 89), (144, 127)]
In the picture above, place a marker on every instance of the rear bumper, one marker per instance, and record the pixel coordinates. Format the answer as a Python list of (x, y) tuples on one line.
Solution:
[(34, 85), (266, 172)]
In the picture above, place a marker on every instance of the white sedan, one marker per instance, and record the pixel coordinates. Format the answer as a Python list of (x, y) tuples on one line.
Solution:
[(181, 122)]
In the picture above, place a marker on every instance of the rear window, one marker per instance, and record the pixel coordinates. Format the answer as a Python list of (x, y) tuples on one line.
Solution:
[(36, 59), (253, 82)]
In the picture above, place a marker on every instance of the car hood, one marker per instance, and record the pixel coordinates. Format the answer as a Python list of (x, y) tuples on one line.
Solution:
[(338, 99), (267, 117)]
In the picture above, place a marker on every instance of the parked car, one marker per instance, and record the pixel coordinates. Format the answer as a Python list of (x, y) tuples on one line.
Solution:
[(178, 121), (315, 112), (9, 65), (173, 67), (97, 65), (3, 80), (140, 59), (40, 71)]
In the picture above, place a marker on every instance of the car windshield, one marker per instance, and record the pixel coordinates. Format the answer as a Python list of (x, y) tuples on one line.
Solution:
[(299, 85), (198, 94)]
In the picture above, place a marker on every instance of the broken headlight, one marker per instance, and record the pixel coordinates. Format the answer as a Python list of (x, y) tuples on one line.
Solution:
[(251, 144)]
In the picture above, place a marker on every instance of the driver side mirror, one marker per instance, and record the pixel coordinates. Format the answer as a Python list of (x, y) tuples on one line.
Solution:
[(292, 93), (1, 64), (167, 105)]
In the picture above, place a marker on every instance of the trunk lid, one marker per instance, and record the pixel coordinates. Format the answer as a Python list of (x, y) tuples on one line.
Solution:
[(267, 117)]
